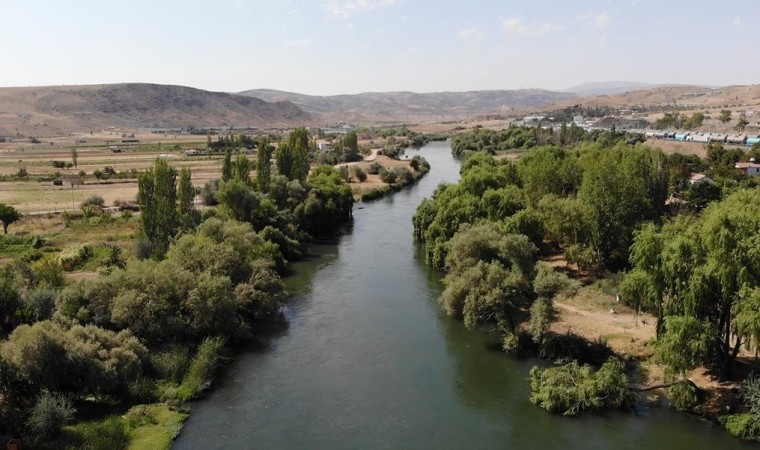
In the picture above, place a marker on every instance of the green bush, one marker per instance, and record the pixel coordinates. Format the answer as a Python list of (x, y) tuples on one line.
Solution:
[(205, 362), (93, 200), (71, 258), (172, 363), (360, 174), (40, 302), (49, 415), (389, 176), (573, 388), (376, 193), (140, 415), (110, 434), (683, 396), (744, 426), (375, 168)]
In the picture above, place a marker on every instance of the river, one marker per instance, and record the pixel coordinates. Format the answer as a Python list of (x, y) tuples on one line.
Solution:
[(370, 361)]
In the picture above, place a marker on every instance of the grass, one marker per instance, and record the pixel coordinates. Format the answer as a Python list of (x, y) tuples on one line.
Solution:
[(206, 360), (159, 432), (143, 427)]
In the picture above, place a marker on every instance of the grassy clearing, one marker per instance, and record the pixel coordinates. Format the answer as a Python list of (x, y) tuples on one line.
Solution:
[(160, 427), (142, 427)]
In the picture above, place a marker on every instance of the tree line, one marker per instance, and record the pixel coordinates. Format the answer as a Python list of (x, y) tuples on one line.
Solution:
[(603, 205), (152, 328)]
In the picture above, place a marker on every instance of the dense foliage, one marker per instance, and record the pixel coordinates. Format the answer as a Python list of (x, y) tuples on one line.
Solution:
[(573, 388), (156, 328), (701, 276), (588, 200)]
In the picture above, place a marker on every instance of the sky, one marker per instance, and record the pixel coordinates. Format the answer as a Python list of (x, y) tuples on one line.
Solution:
[(327, 47)]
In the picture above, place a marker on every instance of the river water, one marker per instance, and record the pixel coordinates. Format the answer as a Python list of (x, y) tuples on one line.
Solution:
[(370, 361)]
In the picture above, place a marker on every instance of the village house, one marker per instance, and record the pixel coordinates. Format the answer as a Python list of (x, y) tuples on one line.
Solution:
[(748, 168), (699, 178)]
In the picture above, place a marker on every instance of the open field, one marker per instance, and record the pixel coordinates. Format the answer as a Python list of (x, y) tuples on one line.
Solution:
[(44, 196)]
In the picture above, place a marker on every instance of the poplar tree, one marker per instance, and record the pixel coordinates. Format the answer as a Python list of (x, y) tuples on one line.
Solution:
[(157, 195), (227, 166), (264, 166)]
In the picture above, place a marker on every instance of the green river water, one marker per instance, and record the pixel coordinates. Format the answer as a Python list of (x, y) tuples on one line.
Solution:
[(370, 361)]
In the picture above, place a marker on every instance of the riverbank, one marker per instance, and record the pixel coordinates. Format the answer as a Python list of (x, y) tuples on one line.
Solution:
[(596, 314), (374, 186)]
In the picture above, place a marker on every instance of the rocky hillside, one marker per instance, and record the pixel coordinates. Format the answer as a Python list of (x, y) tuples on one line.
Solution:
[(47, 111)]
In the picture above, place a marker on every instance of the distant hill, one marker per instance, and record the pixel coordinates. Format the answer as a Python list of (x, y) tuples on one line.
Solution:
[(609, 88), (684, 96), (410, 106), (53, 110)]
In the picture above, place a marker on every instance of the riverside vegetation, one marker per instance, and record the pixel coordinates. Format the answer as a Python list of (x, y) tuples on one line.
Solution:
[(120, 352), (600, 199)]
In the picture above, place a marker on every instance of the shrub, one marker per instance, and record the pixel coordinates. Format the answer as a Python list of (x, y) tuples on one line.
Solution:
[(376, 193), (110, 434), (403, 176), (360, 174), (142, 390), (49, 415), (572, 388), (41, 302), (171, 364), (72, 258), (93, 200), (206, 360), (375, 168), (144, 249), (48, 273), (208, 192), (140, 415), (388, 176), (683, 396), (744, 426)]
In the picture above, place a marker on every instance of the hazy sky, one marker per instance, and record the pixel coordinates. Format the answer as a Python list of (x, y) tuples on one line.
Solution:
[(350, 46)]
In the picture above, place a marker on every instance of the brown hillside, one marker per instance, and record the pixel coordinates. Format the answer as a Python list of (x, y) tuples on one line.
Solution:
[(690, 97), (55, 110)]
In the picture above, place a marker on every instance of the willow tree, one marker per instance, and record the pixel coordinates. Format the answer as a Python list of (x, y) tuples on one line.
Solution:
[(702, 277)]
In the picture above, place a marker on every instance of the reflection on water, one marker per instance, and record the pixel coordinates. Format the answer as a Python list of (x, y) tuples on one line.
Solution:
[(369, 360)]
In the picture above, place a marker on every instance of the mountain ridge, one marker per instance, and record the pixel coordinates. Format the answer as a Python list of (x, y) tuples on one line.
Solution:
[(49, 110)]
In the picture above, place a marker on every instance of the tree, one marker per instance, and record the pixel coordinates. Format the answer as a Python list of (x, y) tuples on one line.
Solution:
[(742, 123), (8, 215), (227, 166), (242, 169), (284, 160), (572, 388), (186, 194), (264, 166), (703, 277), (157, 195), (489, 276), (695, 121), (298, 153), (622, 187), (74, 156), (547, 285), (725, 115)]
